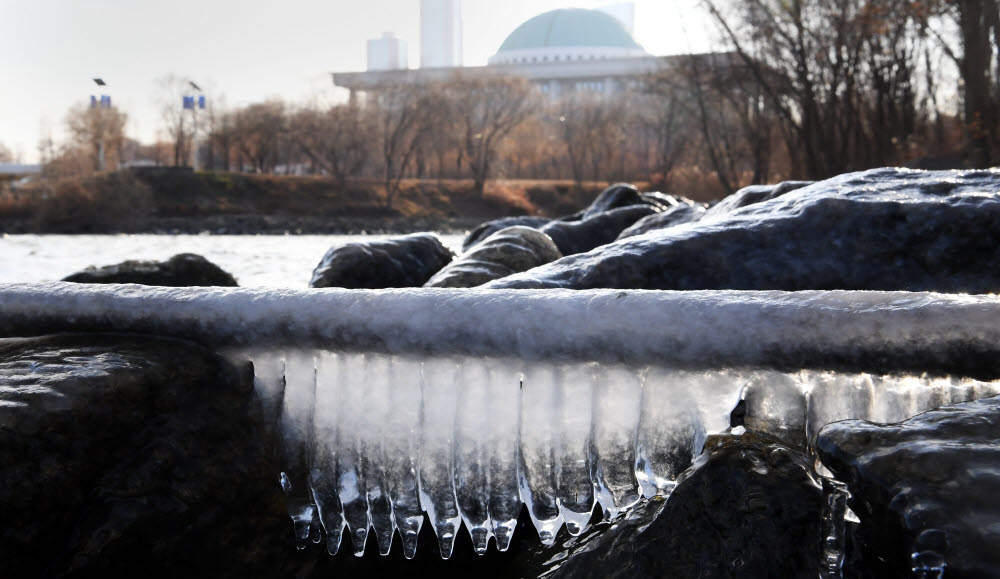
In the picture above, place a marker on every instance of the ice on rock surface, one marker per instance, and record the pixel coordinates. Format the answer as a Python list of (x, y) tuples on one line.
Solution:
[(467, 406), (468, 440)]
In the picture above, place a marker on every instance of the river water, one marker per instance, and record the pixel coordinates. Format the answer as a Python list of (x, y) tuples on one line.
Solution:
[(285, 261)]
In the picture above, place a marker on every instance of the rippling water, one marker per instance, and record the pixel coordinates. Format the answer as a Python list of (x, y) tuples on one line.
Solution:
[(255, 260)]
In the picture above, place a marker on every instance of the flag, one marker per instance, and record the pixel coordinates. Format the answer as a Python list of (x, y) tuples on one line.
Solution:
[(201, 101), (189, 102)]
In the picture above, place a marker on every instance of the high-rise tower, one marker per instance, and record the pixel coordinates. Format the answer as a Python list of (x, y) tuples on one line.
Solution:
[(387, 53), (440, 33)]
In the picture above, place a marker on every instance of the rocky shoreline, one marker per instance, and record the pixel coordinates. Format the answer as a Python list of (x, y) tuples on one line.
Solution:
[(121, 460)]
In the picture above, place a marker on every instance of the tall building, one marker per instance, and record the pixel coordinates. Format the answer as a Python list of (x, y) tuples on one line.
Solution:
[(387, 53), (440, 33)]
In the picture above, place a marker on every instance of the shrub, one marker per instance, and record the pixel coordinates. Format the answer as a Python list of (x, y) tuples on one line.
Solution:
[(103, 203)]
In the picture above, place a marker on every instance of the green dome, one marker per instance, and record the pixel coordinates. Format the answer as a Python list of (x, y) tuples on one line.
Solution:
[(569, 27)]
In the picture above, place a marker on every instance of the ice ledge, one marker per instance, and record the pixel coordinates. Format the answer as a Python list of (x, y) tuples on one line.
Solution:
[(843, 330)]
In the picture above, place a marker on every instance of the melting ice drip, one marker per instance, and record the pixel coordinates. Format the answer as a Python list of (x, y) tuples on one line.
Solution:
[(372, 442)]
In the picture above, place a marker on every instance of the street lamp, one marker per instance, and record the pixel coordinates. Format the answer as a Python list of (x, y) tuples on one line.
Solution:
[(104, 103), (194, 103)]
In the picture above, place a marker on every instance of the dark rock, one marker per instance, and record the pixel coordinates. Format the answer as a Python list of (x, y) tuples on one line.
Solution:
[(885, 229), (573, 237), (750, 507), (490, 227), (126, 455), (508, 251), (615, 196), (939, 162), (752, 195), (925, 489), (181, 270), (404, 261), (664, 201), (675, 215)]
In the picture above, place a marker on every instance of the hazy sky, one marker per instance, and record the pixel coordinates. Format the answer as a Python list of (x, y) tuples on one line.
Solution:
[(239, 51)]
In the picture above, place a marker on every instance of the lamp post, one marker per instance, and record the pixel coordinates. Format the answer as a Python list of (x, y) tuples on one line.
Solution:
[(196, 102), (104, 103)]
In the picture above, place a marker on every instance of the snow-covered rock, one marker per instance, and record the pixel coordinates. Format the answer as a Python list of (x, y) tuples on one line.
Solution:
[(884, 229), (508, 251), (403, 261), (573, 237), (676, 215), (181, 270)]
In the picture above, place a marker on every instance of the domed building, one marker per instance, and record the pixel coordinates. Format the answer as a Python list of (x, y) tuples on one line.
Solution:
[(563, 52), (565, 36)]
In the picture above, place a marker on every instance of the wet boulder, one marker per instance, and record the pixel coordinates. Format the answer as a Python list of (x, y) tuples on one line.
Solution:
[(403, 261), (925, 490), (750, 507), (508, 251), (752, 195), (675, 215), (614, 197), (181, 270), (490, 227), (128, 455), (573, 237), (884, 229), (664, 201)]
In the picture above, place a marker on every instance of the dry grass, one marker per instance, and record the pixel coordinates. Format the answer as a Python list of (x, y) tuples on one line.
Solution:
[(106, 202)]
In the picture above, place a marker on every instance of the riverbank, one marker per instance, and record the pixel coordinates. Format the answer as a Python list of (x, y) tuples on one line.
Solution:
[(175, 201)]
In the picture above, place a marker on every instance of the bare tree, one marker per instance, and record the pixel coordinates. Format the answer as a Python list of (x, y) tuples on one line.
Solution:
[(260, 131), (222, 137), (100, 131), (176, 119), (486, 109), (6, 156), (337, 140), (977, 57), (401, 125), (840, 77)]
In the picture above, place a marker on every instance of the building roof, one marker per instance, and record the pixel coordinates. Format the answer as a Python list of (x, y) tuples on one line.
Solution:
[(569, 27)]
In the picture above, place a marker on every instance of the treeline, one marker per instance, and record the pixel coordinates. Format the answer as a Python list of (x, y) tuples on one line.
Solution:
[(808, 89)]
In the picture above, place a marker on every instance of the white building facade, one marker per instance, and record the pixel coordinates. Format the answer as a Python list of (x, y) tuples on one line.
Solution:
[(387, 53), (440, 33)]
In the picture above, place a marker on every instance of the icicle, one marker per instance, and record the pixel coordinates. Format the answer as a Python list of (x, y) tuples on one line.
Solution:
[(617, 393), (373, 419), (538, 439), (402, 436), (670, 431), (296, 428), (471, 460), (350, 471), (437, 451), (502, 432), (574, 461), (373, 441), (324, 479)]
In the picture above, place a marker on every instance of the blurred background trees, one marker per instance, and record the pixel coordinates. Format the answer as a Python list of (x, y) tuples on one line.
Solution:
[(800, 89)]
